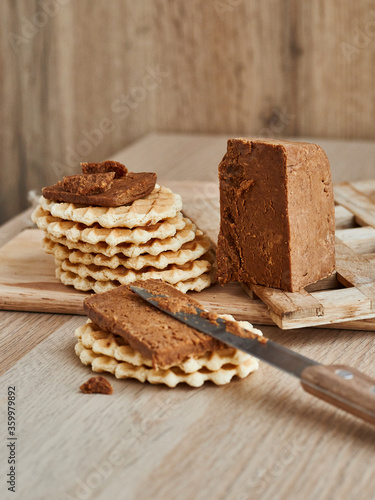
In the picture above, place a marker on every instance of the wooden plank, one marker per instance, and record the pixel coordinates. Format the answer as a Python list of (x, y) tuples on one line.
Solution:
[(359, 239), (355, 270), (324, 284), (214, 24), (358, 203), (189, 156), (12, 141), (343, 304), (365, 186), (338, 306), (28, 282), (287, 305), (93, 116), (343, 218)]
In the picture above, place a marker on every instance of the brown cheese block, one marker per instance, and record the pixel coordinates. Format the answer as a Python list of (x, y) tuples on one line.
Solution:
[(122, 191), (148, 330), (88, 184), (105, 166), (277, 225)]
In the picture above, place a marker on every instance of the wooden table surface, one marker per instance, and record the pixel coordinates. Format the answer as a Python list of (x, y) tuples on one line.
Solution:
[(261, 437)]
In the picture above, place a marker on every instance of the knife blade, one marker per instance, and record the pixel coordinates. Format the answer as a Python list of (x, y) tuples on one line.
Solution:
[(342, 386)]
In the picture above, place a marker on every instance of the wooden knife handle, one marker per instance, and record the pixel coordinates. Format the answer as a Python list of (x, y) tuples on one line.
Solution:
[(343, 387)]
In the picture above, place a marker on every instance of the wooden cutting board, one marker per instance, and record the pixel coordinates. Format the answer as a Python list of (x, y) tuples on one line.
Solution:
[(28, 283)]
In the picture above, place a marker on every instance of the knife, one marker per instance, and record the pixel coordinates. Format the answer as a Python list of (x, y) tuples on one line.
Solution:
[(342, 386)]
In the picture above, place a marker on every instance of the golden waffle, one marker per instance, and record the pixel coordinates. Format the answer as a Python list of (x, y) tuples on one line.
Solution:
[(77, 232), (114, 346), (153, 247), (171, 274), (170, 377), (187, 253), (85, 284), (160, 204)]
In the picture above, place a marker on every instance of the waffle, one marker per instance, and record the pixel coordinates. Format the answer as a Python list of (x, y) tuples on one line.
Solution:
[(187, 253), (157, 206), (86, 284), (153, 247), (170, 377), (114, 346), (77, 232), (172, 274)]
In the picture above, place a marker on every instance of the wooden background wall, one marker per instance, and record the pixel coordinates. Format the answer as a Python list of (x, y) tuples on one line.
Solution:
[(82, 78)]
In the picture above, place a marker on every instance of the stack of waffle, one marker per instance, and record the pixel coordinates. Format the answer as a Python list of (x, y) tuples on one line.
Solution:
[(130, 338), (106, 352), (98, 248)]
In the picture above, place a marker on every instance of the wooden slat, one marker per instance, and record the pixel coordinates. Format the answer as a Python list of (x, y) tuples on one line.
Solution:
[(27, 279), (358, 203), (366, 186), (355, 270), (352, 270), (343, 218), (288, 305), (10, 229), (344, 304), (324, 284), (338, 306), (360, 239)]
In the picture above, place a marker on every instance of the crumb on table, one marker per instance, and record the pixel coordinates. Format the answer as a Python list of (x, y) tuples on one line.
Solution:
[(98, 385)]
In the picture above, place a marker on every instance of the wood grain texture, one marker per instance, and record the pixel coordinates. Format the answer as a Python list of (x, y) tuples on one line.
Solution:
[(261, 437), (351, 391), (68, 81), (11, 228), (335, 45), (357, 202), (149, 442), (86, 78), (28, 330), (225, 66)]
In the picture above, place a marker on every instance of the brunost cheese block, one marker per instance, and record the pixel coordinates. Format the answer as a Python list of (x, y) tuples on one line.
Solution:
[(277, 225)]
